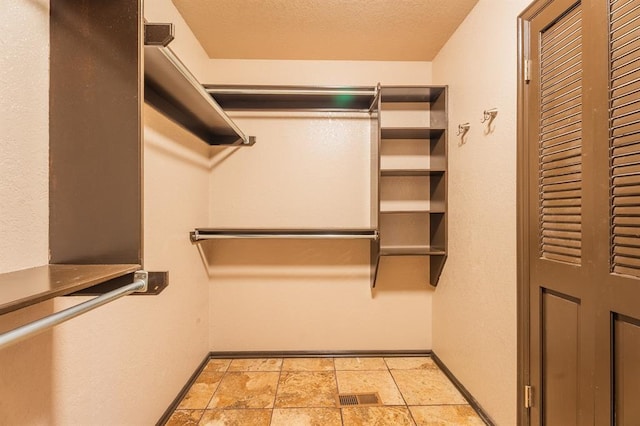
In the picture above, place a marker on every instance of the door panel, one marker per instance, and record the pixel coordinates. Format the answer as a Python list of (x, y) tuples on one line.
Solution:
[(560, 346), (626, 370)]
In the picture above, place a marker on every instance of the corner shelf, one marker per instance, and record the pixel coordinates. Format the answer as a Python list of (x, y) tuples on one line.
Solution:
[(174, 91), (27, 287), (412, 207)]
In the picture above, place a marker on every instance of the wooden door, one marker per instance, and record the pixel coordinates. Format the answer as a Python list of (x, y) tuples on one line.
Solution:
[(579, 171)]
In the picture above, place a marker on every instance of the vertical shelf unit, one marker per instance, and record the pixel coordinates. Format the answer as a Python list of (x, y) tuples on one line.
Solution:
[(412, 174)]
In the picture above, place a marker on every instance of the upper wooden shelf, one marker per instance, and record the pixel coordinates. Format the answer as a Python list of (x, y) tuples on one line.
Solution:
[(410, 94), (170, 87), (20, 289), (289, 98)]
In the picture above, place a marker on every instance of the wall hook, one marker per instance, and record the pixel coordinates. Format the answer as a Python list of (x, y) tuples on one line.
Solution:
[(489, 115), (463, 129)]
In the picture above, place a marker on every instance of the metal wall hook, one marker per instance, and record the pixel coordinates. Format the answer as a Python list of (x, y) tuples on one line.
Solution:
[(489, 114), (463, 129)]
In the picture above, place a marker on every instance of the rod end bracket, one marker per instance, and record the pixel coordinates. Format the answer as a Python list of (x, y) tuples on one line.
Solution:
[(144, 277)]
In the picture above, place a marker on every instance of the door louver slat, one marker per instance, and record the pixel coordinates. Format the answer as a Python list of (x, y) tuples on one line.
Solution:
[(624, 136), (560, 140)]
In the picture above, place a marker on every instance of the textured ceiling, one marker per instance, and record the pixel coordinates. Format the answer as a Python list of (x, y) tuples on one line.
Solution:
[(385, 30)]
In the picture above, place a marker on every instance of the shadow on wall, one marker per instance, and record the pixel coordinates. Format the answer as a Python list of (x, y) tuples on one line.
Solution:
[(308, 260), (285, 259), (403, 273), (26, 371), (163, 135)]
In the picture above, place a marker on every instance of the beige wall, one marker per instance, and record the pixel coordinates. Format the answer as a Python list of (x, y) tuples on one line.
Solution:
[(328, 73), (124, 362), (475, 303), (24, 133), (308, 171)]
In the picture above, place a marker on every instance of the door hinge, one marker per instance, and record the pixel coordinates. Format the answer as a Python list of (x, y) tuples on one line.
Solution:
[(528, 396), (527, 70)]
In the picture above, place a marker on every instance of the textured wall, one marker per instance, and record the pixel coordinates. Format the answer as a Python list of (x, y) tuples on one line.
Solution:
[(327, 73), (475, 303), (124, 362), (24, 134), (27, 373)]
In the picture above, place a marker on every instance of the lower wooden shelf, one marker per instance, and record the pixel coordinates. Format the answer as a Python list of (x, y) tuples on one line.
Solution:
[(410, 250), (27, 287)]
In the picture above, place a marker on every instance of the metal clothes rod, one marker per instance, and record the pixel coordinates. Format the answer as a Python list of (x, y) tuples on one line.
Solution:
[(318, 91), (36, 327), (210, 234)]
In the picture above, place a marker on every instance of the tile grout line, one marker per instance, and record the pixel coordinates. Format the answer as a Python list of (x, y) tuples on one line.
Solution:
[(335, 375), (224, 374), (275, 395), (400, 391)]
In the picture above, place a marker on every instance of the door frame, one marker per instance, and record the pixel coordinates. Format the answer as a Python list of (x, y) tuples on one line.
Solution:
[(522, 208)]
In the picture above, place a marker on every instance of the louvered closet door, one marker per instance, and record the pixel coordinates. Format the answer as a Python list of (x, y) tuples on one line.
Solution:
[(559, 282), (582, 122), (618, 293)]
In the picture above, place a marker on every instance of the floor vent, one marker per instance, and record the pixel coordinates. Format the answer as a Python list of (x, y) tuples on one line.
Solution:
[(358, 399)]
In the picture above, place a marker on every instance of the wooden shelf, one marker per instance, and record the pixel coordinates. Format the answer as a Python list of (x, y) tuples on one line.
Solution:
[(411, 93), (410, 172), (34, 285), (173, 90), (287, 98), (411, 132), (410, 250)]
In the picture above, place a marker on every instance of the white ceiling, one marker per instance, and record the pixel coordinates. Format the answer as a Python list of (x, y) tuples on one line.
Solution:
[(384, 30)]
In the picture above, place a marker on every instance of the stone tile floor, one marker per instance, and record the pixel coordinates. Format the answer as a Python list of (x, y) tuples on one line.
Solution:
[(302, 391)]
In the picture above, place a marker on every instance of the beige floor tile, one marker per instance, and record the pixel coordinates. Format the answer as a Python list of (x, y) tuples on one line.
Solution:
[(246, 390), (382, 416), (446, 415), (411, 363), (184, 418), (257, 364), (306, 389), (307, 364), (306, 417), (236, 418), (370, 381), (360, 364), (201, 391), (217, 365), (426, 387)]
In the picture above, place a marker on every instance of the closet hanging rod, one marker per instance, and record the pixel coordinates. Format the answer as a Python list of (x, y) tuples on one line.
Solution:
[(290, 90), (211, 234), (293, 98), (43, 324)]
